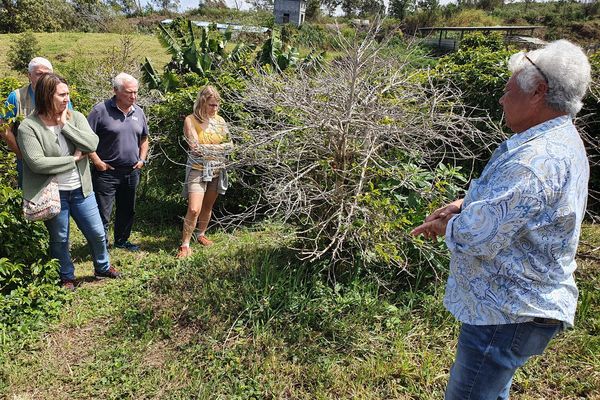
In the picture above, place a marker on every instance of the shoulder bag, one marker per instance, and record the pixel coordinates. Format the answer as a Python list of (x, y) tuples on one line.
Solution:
[(47, 204)]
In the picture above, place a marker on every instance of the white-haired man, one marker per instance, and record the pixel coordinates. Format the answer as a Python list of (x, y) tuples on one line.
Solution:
[(514, 236), (22, 101), (122, 150)]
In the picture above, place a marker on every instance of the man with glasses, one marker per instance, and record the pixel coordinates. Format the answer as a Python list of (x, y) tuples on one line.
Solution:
[(514, 236), (122, 152)]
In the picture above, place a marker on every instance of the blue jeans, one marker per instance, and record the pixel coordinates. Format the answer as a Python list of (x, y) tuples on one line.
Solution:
[(488, 356), (84, 211)]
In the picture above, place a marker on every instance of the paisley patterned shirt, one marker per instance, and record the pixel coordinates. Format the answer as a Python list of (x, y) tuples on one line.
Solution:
[(513, 244)]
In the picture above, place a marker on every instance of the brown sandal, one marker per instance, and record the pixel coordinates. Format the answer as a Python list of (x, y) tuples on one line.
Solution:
[(204, 241), (184, 251)]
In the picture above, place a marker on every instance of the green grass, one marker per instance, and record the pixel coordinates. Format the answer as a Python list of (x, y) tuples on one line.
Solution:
[(245, 320), (64, 47)]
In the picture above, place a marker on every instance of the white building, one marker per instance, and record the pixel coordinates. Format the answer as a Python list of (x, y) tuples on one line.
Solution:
[(289, 11)]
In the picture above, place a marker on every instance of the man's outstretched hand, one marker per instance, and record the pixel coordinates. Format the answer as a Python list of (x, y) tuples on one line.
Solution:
[(435, 224)]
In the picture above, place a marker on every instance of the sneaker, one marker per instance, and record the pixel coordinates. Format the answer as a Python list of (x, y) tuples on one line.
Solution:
[(68, 284), (183, 252), (110, 273), (127, 246), (204, 241)]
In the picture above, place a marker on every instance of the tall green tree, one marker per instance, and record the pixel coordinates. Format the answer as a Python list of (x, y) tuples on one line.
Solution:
[(430, 9), (167, 5), (313, 9), (127, 7), (331, 5), (35, 15), (261, 4), (371, 7), (400, 8), (489, 5), (350, 7)]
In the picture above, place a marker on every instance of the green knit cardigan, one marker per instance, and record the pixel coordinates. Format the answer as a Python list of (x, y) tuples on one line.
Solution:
[(42, 157)]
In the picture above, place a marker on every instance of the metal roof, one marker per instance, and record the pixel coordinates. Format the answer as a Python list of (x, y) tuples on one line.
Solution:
[(223, 27)]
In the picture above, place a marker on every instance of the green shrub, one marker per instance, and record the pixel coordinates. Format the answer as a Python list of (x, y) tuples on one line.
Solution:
[(7, 85), (24, 48), (591, 124), (479, 70), (472, 17), (29, 291), (401, 196), (28, 278)]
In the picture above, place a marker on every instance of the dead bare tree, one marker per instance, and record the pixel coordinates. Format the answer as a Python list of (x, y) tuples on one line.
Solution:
[(316, 144)]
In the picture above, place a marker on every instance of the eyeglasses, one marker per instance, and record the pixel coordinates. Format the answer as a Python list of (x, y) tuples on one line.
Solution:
[(538, 69)]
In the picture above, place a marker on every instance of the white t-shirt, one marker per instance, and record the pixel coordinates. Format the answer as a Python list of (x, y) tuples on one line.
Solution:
[(68, 180)]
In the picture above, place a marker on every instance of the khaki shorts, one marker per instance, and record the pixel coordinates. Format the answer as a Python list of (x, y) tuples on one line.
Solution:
[(197, 185)]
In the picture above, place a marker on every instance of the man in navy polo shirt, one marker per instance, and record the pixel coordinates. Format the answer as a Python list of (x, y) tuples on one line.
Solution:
[(122, 128)]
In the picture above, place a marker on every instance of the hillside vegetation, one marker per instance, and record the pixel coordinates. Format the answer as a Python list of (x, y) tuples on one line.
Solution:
[(64, 48)]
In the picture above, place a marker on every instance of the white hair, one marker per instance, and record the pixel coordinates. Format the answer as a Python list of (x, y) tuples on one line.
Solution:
[(119, 80), (36, 62), (564, 66)]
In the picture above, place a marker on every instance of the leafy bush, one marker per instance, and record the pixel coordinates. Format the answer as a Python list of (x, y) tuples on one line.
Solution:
[(29, 292), (472, 17), (315, 36), (7, 85), (24, 48), (28, 278), (591, 122), (479, 70)]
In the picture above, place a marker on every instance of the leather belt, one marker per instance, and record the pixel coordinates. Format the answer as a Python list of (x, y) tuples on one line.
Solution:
[(548, 321)]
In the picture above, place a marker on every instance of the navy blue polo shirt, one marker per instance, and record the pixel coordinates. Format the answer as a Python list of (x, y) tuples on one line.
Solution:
[(120, 135)]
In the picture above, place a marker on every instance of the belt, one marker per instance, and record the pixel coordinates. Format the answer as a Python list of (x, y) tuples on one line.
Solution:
[(547, 321)]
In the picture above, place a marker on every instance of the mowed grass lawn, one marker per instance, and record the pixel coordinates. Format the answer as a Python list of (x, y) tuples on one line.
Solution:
[(64, 47), (244, 320)]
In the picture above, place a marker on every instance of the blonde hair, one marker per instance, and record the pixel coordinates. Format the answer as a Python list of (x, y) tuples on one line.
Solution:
[(204, 95)]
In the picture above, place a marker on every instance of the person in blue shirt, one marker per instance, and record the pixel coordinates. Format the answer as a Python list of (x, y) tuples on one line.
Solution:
[(22, 101), (514, 236), (122, 128)]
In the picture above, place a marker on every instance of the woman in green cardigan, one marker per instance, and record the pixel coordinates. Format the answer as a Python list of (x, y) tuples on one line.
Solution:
[(55, 141)]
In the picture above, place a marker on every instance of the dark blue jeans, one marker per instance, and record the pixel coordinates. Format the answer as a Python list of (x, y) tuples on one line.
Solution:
[(85, 213), (488, 356), (117, 186)]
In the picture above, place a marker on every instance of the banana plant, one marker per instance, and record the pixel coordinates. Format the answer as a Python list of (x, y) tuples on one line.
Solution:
[(190, 53), (278, 56)]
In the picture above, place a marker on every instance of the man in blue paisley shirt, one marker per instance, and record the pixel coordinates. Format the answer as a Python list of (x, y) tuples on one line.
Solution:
[(514, 236)]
